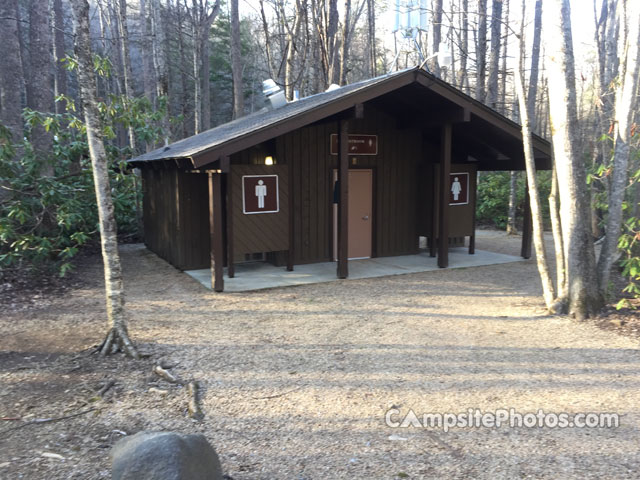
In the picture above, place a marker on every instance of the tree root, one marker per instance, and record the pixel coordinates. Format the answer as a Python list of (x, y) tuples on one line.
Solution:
[(118, 340), (559, 306)]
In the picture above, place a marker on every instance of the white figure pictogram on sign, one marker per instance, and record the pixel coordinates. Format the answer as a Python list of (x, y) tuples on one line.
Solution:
[(456, 188), (261, 192)]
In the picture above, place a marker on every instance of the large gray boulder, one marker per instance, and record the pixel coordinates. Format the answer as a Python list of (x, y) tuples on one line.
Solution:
[(165, 456)]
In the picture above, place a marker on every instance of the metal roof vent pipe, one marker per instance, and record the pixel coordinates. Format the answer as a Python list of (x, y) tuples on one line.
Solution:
[(274, 94), (296, 95)]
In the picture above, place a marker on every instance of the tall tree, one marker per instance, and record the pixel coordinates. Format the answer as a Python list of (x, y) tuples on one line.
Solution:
[(437, 35), (626, 91), (123, 31), (463, 79), (371, 40), (481, 50), (40, 84), (491, 98), (344, 45), (236, 61), (11, 77), (147, 43), (584, 298), (60, 79), (202, 16), (536, 209), (117, 337)]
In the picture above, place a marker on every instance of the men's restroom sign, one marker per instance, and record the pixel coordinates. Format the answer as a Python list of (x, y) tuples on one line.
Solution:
[(260, 194), (459, 188)]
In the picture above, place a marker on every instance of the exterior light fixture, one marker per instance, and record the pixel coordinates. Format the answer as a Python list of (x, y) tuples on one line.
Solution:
[(268, 160)]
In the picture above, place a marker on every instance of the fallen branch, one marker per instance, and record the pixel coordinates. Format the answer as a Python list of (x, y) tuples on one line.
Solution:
[(106, 387), (165, 374), (194, 407), (38, 421), (278, 394)]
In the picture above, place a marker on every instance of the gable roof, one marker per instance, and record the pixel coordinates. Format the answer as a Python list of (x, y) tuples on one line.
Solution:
[(242, 133)]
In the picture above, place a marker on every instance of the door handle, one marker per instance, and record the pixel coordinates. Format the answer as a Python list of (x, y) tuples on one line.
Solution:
[(366, 217)]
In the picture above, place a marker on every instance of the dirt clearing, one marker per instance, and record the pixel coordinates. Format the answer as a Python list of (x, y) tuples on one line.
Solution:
[(296, 381)]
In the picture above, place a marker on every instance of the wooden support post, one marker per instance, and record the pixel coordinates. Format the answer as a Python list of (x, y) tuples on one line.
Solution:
[(433, 247), (215, 231), (527, 227), (472, 200), (291, 252), (231, 270), (445, 170), (343, 206)]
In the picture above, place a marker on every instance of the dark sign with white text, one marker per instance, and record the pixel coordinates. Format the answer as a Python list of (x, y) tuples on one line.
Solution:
[(358, 144)]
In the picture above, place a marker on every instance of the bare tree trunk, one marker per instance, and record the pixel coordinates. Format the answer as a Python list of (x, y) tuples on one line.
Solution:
[(536, 211), (40, 85), (123, 30), (236, 62), (584, 297), (463, 78), (183, 74), (371, 42), (60, 78), (556, 228), (11, 77), (504, 73), (332, 41), (344, 46), (292, 35), (623, 121), (117, 337), (148, 45), (531, 102), (535, 65), (205, 70), (437, 35), (494, 57), (481, 50), (202, 18)]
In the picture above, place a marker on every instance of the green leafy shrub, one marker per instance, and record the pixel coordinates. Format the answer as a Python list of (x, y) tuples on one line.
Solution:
[(493, 198), (45, 220)]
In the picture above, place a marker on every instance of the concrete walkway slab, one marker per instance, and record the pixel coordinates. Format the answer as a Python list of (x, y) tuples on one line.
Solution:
[(260, 275)]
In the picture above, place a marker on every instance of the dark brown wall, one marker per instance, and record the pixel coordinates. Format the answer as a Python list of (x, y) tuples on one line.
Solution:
[(461, 217), (257, 233), (394, 185), (176, 222)]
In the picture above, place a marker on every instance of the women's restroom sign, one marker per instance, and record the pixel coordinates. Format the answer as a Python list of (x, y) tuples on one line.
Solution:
[(459, 188), (260, 194)]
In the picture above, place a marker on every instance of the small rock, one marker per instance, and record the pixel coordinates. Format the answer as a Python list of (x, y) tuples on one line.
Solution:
[(397, 438), (52, 455), (159, 391)]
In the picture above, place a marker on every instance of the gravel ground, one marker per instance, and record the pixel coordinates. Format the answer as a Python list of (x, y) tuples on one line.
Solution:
[(296, 381)]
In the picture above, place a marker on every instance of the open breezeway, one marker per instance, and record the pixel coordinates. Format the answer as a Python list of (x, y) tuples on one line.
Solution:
[(296, 381)]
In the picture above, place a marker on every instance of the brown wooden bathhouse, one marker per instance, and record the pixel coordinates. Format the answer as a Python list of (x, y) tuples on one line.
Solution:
[(363, 170)]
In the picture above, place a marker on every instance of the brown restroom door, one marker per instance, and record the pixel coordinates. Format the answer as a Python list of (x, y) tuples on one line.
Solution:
[(360, 212)]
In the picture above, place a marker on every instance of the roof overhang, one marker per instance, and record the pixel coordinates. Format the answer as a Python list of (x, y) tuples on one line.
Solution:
[(488, 134)]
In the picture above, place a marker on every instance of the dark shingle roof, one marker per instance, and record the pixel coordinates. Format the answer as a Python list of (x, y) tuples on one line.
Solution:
[(252, 129), (221, 134)]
